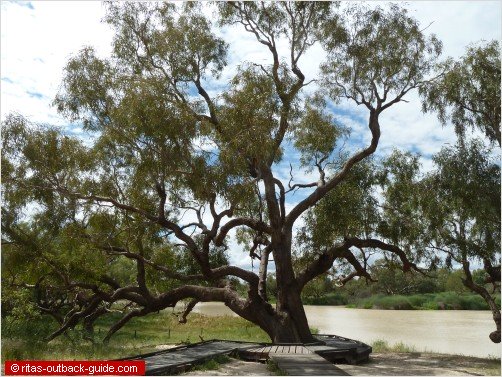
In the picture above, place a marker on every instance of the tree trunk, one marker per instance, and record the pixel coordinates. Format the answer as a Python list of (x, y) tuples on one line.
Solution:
[(292, 326), (282, 326), (480, 290), (495, 335), (286, 330), (287, 322)]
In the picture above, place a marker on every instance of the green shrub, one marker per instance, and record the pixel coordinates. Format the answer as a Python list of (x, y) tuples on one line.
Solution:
[(36, 328), (430, 305), (429, 301), (367, 305), (418, 301), (393, 303), (327, 299)]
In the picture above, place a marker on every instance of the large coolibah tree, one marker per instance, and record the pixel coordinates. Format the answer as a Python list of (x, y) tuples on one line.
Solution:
[(186, 151)]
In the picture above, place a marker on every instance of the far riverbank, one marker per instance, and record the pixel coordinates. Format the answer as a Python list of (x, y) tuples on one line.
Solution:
[(427, 301)]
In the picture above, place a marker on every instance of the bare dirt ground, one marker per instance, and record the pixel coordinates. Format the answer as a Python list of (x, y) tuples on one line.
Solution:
[(423, 364), (235, 368), (383, 364)]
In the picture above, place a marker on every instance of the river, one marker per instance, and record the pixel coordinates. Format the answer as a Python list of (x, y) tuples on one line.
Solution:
[(445, 331)]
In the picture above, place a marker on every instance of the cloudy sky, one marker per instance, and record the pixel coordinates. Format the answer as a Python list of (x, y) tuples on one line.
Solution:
[(37, 38)]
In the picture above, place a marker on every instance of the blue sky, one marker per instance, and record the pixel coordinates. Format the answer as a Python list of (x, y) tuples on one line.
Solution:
[(37, 38)]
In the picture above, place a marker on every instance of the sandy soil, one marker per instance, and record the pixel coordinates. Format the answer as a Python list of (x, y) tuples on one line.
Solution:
[(235, 368), (383, 364), (423, 364)]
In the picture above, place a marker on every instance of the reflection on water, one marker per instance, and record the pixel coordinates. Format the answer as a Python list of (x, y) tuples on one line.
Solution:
[(447, 331)]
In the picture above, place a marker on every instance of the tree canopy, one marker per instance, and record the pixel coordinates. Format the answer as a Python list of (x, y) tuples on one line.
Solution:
[(468, 92)]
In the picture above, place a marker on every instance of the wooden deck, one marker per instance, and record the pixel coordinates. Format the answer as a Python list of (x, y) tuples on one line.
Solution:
[(295, 359), (343, 349), (331, 347), (178, 359), (306, 365), (263, 353)]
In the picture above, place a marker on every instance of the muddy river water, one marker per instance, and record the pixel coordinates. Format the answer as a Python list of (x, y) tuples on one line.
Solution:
[(446, 331)]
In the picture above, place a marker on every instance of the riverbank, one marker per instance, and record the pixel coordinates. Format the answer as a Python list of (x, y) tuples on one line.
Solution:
[(426, 301), (380, 364)]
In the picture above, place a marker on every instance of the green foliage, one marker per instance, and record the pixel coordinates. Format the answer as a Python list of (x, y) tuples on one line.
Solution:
[(316, 134), (399, 177), (244, 121), (452, 214), (376, 54), (429, 301), (24, 340), (382, 346), (316, 287), (347, 211), (467, 186), (16, 327), (468, 91), (327, 299)]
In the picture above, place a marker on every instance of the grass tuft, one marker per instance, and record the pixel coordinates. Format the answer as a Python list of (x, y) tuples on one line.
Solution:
[(382, 346), (213, 364), (274, 369)]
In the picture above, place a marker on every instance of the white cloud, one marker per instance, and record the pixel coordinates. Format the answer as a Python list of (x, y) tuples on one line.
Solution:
[(459, 23), (36, 43)]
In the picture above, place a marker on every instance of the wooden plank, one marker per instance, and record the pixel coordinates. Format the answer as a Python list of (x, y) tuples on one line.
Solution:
[(306, 365), (164, 363), (316, 349), (302, 350)]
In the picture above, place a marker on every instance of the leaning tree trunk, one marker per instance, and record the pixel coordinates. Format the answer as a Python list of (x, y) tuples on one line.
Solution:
[(480, 290), (494, 335), (469, 283)]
